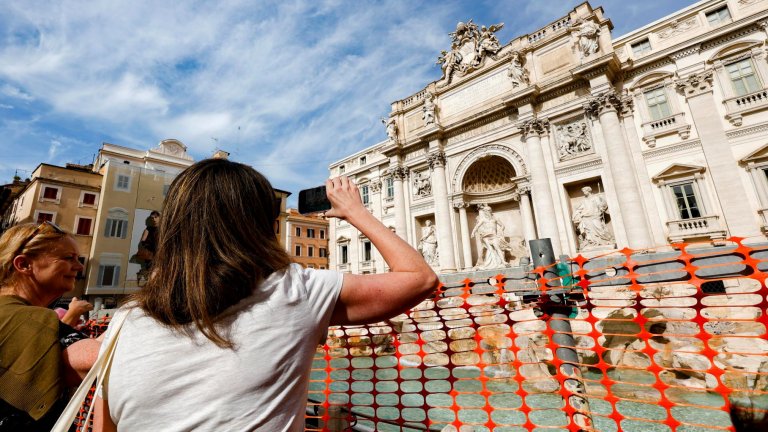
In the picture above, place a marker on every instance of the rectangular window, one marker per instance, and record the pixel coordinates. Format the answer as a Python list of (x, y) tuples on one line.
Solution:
[(297, 250), (718, 16), (364, 192), (116, 228), (44, 216), (322, 267), (686, 201), (310, 251), (83, 226), (363, 160), (390, 187), (657, 103), (322, 234), (310, 266), (642, 47), (123, 182), (743, 77), (323, 253), (310, 232), (89, 199), (298, 232), (50, 193), (109, 275), (343, 253), (342, 168), (366, 251)]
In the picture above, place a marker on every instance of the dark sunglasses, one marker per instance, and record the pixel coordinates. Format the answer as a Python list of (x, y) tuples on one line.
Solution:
[(45, 226)]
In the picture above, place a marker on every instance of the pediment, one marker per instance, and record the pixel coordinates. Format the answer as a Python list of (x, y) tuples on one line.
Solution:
[(676, 171), (342, 239), (759, 155), (734, 49), (651, 78), (172, 147)]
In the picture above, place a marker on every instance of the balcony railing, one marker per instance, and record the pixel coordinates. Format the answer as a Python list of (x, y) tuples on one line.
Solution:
[(686, 229), (738, 106), (675, 123)]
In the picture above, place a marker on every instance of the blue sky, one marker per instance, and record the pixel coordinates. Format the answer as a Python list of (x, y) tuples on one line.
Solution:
[(286, 86)]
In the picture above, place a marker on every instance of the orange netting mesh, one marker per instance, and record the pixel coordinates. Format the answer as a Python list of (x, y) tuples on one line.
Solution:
[(665, 341)]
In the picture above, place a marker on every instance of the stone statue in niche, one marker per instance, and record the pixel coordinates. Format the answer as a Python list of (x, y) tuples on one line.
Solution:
[(428, 110), (494, 246), (573, 140), (588, 31), (589, 218), (428, 244), (517, 73), (422, 186), (391, 129)]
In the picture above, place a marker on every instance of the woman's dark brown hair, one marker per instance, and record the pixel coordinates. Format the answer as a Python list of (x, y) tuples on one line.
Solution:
[(216, 243)]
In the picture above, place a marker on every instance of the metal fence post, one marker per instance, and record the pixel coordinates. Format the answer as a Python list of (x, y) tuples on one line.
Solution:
[(555, 306)]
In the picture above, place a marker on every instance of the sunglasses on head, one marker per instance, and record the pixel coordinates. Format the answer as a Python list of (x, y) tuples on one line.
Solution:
[(45, 226)]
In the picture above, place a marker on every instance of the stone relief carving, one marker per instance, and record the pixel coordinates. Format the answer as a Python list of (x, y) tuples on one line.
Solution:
[(470, 46), (422, 184), (518, 74), (494, 245), (428, 110), (573, 140), (428, 244), (589, 218), (391, 129), (676, 27), (375, 186), (587, 33)]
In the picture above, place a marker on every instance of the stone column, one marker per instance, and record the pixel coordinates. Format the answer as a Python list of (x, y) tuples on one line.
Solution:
[(436, 162), (758, 179), (543, 202), (605, 107), (739, 217), (526, 213), (628, 120), (466, 248), (399, 173)]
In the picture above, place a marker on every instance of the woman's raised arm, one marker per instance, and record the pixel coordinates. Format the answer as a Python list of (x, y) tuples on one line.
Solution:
[(375, 297)]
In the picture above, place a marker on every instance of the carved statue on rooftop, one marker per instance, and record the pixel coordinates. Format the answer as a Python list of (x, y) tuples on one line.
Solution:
[(391, 129), (428, 110), (587, 32), (517, 73), (470, 46)]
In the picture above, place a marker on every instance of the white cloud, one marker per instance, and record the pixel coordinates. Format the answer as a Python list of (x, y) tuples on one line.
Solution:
[(6, 106), (15, 92), (53, 149)]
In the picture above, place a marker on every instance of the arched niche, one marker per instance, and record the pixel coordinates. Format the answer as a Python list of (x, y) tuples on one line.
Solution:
[(494, 150)]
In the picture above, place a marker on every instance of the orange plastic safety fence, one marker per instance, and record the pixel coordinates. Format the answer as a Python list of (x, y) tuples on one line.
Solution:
[(666, 341)]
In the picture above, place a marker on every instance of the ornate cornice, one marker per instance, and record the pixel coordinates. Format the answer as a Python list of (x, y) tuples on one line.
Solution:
[(674, 148), (436, 159), (744, 31), (534, 126), (398, 172), (647, 68), (695, 84), (478, 124), (747, 131), (606, 101), (579, 167), (627, 105)]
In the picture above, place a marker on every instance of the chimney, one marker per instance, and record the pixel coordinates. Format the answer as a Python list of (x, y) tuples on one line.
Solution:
[(220, 154)]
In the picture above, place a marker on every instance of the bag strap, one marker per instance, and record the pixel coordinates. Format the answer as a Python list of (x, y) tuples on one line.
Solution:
[(98, 371)]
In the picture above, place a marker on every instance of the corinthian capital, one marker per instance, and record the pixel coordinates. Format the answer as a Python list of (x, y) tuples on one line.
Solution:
[(695, 84), (627, 104), (436, 159), (398, 172), (534, 126), (375, 186), (603, 102)]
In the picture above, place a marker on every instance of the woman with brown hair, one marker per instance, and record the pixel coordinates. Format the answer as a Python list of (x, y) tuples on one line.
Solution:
[(40, 355), (223, 334)]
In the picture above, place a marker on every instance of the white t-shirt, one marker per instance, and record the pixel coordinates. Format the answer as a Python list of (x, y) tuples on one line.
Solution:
[(161, 380)]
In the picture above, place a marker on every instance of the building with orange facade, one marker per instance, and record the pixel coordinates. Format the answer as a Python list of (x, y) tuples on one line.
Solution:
[(306, 239)]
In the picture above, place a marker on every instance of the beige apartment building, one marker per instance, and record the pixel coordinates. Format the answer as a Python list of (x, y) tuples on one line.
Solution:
[(68, 196), (307, 239), (594, 140)]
